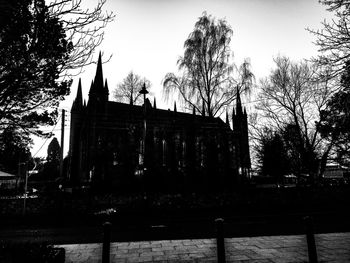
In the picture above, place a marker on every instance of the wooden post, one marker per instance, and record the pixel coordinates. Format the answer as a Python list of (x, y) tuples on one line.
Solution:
[(310, 237), (25, 188), (62, 142), (106, 242), (220, 241)]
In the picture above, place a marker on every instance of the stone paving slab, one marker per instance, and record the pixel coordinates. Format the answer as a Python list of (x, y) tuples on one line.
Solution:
[(334, 247)]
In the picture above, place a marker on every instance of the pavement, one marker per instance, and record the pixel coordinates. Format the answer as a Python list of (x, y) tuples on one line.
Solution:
[(331, 247)]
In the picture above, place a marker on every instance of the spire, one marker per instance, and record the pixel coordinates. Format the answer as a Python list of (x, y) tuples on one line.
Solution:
[(233, 117), (194, 111), (99, 90), (99, 75), (79, 98), (238, 104), (78, 101), (175, 106), (227, 121), (245, 111), (106, 87), (84, 103), (91, 88), (203, 109), (154, 103)]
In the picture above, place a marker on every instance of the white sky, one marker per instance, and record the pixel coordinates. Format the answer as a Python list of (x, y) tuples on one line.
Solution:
[(147, 37)]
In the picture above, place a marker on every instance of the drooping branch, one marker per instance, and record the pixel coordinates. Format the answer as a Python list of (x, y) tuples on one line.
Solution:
[(207, 81)]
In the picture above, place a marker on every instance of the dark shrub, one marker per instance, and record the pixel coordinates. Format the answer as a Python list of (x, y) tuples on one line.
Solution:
[(31, 253)]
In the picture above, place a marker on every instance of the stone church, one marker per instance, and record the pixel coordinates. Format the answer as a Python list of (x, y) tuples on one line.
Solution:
[(130, 147)]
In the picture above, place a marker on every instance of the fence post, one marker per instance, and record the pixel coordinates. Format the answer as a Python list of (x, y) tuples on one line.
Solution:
[(106, 242), (310, 237), (220, 241)]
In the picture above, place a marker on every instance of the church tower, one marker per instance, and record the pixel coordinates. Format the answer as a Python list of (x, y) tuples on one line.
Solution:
[(76, 122), (98, 94), (240, 127)]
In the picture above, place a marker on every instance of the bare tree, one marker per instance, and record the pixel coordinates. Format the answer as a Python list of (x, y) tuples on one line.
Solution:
[(291, 101), (84, 29), (206, 82), (333, 39), (128, 89)]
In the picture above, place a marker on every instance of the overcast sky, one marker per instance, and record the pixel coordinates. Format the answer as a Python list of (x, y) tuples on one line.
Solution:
[(147, 37)]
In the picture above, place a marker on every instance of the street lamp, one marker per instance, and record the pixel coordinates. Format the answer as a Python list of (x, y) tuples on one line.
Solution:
[(26, 184), (144, 91)]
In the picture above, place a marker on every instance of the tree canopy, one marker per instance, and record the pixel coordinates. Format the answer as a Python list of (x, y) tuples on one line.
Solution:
[(207, 80), (335, 123), (272, 155), (14, 150), (53, 151), (333, 41), (41, 43), (51, 167)]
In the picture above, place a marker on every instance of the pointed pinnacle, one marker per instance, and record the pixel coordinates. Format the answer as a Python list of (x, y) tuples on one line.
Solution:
[(99, 74), (238, 103), (106, 87), (79, 92)]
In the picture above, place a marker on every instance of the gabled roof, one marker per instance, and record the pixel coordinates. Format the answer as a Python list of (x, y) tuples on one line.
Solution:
[(4, 175), (123, 111)]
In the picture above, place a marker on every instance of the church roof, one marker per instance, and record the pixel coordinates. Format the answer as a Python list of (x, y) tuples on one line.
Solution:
[(115, 112), (127, 112)]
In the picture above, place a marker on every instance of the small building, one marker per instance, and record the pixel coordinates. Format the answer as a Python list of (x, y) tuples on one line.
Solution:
[(335, 173), (8, 181)]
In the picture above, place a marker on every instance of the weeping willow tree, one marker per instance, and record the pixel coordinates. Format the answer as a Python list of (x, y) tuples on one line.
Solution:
[(208, 81)]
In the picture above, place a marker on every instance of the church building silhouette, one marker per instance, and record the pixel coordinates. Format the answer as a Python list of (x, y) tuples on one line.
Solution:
[(128, 147)]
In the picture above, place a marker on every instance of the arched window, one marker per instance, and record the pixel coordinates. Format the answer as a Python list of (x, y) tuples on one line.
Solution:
[(141, 153), (202, 161), (164, 152), (115, 159), (183, 156)]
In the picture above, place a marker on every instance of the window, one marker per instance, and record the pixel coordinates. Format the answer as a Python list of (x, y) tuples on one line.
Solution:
[(183, 159), (141, 153), (164, 152)]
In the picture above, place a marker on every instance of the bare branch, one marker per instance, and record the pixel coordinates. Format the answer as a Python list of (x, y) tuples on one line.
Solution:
[(206, 73)]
